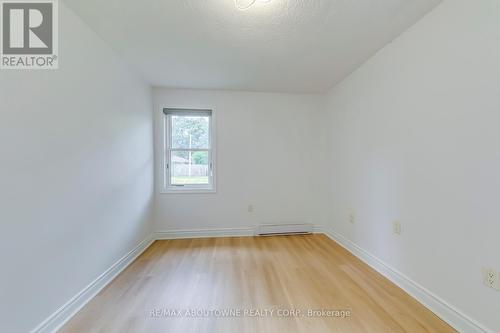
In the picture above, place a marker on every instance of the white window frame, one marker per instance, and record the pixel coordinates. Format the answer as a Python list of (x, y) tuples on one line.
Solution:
[(167, 187)]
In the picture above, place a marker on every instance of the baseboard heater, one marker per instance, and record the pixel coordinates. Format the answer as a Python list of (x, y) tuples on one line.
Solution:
[(284, 229)]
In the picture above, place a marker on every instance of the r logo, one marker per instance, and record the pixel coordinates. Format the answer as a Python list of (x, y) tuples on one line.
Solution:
[(27, 28)]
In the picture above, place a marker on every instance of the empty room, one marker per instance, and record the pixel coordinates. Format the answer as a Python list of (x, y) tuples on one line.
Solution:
[(206, 166)]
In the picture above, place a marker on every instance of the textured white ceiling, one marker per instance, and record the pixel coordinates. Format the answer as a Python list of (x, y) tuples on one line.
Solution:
[(284, 45)]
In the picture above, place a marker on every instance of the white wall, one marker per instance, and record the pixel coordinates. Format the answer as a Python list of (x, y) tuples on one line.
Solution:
[(270, 153), (414, 137), (76, 174)]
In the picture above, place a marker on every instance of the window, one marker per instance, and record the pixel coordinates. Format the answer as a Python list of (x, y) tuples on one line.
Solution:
[(189, 150)]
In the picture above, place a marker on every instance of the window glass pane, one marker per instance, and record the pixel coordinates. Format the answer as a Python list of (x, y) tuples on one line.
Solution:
[(190, 132), (189, 168)]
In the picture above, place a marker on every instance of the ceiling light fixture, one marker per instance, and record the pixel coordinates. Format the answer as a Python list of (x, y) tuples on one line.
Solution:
[(245, 4)]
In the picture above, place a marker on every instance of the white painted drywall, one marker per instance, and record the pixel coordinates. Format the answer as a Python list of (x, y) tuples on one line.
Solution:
[(414, 136), (76, 168), (270, 153)]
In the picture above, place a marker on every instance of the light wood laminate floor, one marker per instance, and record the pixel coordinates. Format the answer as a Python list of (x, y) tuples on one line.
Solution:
[(276, 274)]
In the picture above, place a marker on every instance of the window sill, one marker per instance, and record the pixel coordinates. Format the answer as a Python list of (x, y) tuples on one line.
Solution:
[(188, 191)]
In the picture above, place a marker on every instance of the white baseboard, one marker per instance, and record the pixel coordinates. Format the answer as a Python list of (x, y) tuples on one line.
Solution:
[(318, 229), (441, 308), (68, 310), (204, 233)]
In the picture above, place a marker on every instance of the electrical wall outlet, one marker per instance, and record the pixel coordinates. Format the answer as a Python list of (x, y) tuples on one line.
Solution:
[(396, 228), (491, 278), (352, 218)]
